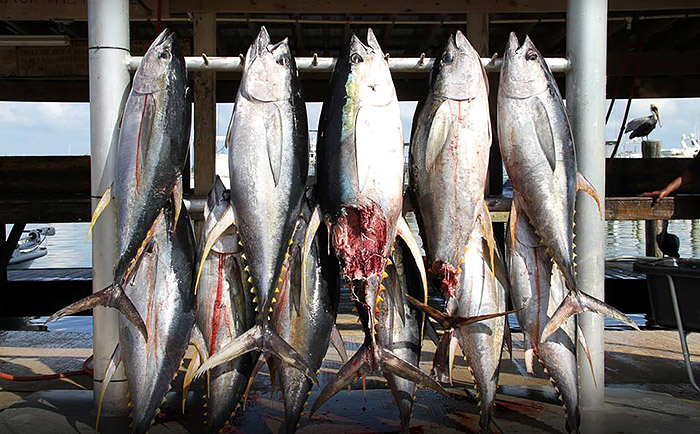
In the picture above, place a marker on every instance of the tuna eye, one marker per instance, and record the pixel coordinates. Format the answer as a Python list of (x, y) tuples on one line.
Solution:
[(531, 55), (165, 55), (355, 58), (282, 61), (447, 58)]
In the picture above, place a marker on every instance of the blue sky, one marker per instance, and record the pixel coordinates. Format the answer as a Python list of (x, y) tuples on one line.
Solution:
[(63, 128)]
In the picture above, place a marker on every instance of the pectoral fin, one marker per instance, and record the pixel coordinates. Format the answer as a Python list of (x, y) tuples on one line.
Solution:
[(439, 134), (273, 130), (309, 235), (543, 129)]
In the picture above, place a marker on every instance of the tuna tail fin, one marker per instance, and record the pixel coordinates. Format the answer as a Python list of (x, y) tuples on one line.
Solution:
[(339, 343), (260, 339), (577, 302), (114, 362), (361, 364), (430, 332), (358, 365), (392, 363), (112, 296), (101, 206), (582, 184), (227, 220), (452, 322), (309, 235), (443, 362)]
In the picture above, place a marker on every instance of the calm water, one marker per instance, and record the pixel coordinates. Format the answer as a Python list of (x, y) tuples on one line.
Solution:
[(69, 248)]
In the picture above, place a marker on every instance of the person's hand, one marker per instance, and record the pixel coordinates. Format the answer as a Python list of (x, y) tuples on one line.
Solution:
[(658, 194)]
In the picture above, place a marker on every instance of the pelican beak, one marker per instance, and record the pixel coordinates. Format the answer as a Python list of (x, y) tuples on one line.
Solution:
[(659, 119)]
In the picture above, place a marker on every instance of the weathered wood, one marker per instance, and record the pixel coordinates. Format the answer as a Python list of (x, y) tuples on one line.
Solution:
[(416, 6), (64, 208), (30, 10), (204, 106), (683, 207), (633, 176), (44, 175), (651, 149)]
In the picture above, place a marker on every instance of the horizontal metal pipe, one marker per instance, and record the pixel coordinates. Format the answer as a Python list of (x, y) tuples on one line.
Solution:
[(326, 64), (406, 22)]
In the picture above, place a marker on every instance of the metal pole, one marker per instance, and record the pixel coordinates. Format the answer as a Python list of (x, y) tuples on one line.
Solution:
[(586, 40), (326, 64), (108, 47)]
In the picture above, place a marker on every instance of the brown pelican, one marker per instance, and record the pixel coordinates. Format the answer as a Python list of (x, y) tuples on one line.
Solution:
[(641, 127)]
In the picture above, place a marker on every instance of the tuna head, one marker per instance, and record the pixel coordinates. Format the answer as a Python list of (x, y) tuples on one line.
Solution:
[(457, 74), (369, 80), (268, 69), (524, 72), (218, 202), (162, 64)]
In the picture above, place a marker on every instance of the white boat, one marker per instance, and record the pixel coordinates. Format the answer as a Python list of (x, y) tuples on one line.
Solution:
[(31, 246)]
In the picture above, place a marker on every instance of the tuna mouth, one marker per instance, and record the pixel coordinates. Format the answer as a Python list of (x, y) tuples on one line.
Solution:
[(165, 36), (360, 238)]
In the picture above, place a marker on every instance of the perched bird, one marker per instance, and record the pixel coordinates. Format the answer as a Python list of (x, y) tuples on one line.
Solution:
[(641, 127), (668, 243)]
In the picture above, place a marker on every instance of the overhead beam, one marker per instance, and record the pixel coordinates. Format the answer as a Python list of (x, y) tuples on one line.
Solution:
[(416, 6), (35, 10)]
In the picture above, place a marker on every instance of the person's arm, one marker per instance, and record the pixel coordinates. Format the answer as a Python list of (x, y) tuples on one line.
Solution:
[(686, 178)]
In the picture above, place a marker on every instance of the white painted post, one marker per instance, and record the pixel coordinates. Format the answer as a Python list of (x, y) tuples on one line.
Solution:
[(586, 39), (108, 48)]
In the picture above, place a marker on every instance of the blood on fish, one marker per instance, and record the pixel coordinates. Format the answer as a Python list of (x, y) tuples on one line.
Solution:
[(216, 317), (360, 238), (448, 276)]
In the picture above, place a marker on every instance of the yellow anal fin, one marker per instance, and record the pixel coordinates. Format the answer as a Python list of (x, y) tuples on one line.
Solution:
[(582, 184), (513, 224), (177, 199), (101, 205), (487, 226), (189, 377), (114, 362), (226, 220), (309, 235)]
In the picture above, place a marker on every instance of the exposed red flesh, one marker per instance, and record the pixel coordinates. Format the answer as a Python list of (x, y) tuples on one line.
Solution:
[(360, 238), (448, 276)]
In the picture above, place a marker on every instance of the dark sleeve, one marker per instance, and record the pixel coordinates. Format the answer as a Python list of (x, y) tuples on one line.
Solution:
[(694, 166)]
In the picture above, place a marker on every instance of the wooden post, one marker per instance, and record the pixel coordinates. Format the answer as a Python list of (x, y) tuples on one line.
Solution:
[(204, 108), (8, 247), (651, 149), (478, 36)]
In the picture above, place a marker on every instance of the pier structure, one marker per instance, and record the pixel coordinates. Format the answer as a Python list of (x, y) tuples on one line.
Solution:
[(219, 27)]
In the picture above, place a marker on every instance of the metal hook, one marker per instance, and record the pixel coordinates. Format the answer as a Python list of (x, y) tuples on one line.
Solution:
[(386, 56), (206, 59), (493, 59), (421, 61), (315, 61)]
